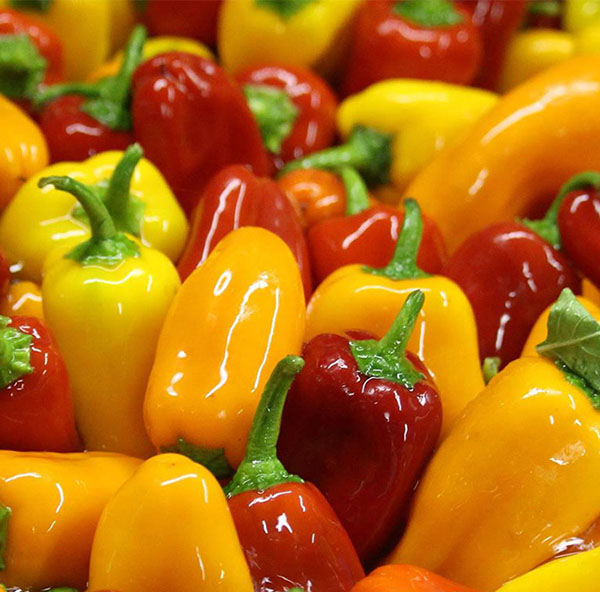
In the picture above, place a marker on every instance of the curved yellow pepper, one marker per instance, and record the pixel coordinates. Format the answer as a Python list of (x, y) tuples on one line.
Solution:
[(39, 220), (23, 150), (252, 32), (24, 299), (55, 502), (168, 528), (234, 318)]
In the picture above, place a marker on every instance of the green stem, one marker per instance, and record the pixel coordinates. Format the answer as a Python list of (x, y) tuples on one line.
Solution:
[(284, 8), (5, 514), (91, 90), (491, 367), (428, 13), (357, 196), (261, 468), (39, 5), (22, 68), (15, 353)]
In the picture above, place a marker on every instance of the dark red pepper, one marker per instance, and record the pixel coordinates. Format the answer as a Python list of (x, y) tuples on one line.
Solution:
[(288, 531), (233, 198), (368, 416), (510, 275), (367, 234), (294, 107), (192, 121), (428, 39), (36, 410)]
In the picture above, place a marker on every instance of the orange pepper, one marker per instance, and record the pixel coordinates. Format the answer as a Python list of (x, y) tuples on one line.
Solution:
[(23, 299), (590, 292)]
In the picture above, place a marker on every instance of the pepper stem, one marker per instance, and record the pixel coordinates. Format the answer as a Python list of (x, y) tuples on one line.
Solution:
[(15, 353), (22, 68), (261, 468), (367, 150), (357, 197), (429, 13)]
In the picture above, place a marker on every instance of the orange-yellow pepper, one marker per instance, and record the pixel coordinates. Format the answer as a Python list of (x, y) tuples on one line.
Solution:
[(168, 528), (353, 298), (234, 318), (518, 155), (24, 299), (55, 502), (589, 291)]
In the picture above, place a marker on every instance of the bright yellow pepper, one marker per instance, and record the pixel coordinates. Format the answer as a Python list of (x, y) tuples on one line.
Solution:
[(55, 502), (105, 302), (579, 14), (252, 32), (24, 299), (23, 150), (39, 220), (354, 299), (234, 318), (168, 528)]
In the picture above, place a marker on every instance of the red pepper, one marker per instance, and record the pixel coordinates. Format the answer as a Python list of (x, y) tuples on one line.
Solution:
[(367, 235), (36, 410), (182, 18), (497, 21), (368, 417), (81, 119), (233, 198), (288, 531), (295, 109), (510, 275), (192, 121), (430, 39)]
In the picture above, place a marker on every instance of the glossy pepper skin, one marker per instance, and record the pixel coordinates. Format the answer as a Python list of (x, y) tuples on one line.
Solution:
[(516, 135), (411, 40), (310, 115), (192, 121), (136, 551), (367, 433), (36, 408), (313, 551), (103, 280), (136, 194), (213, 360), (359, 298), (532, 274), (233, 198), (23, 299), (55, 502)]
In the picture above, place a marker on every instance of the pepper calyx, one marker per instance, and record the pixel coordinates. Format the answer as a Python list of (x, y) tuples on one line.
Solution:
[(428, 13), (213, 459), (284, 8), (5, 514), (22, 67), (357, 196), (15, 353)]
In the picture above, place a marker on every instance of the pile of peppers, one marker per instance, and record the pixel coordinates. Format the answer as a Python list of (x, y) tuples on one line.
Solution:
[(299, 295)]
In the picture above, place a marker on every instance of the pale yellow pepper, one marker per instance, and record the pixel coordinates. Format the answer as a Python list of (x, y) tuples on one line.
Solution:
[(579, 14)]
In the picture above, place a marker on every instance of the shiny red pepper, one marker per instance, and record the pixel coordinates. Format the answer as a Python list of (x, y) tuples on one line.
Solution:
[(510, 275), (36, 410), (233, 198), (430, 39), (192, 121), (294, 107), (367, 235), (288, 531), (368, 417)]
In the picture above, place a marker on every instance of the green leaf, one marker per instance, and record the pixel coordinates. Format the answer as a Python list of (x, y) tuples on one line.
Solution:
[(5, 514), (213, 459), (573, 342), (284, 8), (429, 13)]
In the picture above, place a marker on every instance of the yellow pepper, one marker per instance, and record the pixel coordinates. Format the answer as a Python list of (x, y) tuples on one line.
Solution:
[(54, 503), (580, 14), (513, 477), (24, 299), (589, 291), (234, 318), (138, 197), (23, 150), (305, 34), (356, 298), (105, 302), (168, 528)]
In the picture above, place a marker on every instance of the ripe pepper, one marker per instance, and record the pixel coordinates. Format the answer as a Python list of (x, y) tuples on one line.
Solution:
[(23, 299), (288, 531), (495, 514), (180, 518), (427, 39), (295, 109), (360, 298), (104, 280), (366, 234), (213, 360), (517, 135), (192, 121), (135, 193), (80, 119), (406, 121), (307, 34), (369, 417), (580, 14), (233, 198), (51, 503), (36, 409), (23, 150), (532, 274)]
